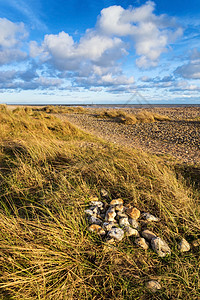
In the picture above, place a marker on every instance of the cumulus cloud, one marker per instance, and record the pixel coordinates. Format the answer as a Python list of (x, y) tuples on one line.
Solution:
[(151, 34), (11, 35), (95, 60), (65, 54), (104, 81)]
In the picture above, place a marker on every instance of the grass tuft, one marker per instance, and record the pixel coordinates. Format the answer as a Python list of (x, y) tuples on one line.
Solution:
[(127, 118), (62, 109)]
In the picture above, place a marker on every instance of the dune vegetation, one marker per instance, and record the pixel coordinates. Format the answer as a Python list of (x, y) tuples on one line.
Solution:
[(123, 117), (49, 171), (61, 109)]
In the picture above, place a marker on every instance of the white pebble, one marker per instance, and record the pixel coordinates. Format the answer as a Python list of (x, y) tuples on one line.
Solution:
[(116, 233)]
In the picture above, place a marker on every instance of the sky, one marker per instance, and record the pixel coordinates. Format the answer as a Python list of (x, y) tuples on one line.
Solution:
[(104, 52)]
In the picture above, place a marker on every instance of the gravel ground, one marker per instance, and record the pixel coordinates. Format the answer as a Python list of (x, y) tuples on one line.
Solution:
[(179, 138)]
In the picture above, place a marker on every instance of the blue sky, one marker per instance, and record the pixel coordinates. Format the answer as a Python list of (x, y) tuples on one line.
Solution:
[(99, 51)]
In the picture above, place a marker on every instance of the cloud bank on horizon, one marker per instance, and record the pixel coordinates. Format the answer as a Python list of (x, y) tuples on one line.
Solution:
[(128, 49)]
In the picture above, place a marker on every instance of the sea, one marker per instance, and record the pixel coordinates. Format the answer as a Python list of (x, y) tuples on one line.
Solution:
[(114, 106)]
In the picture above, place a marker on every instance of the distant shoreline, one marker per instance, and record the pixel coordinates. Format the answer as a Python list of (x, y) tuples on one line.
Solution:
[(109, 105)]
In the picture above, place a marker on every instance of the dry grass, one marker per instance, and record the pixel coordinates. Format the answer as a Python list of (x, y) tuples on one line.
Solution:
[(49, 170), (123, 117), (50, 109)]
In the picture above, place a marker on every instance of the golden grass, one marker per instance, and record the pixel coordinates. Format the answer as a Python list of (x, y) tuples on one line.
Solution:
[(50, 109), (123, 117), (49, 170)]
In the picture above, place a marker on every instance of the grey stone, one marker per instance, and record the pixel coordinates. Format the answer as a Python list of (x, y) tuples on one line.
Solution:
[(95, 209), (123, 222), (134, 223), (108, 225), (94, 220), (116, 233), (148, 235), (160, 247), (89, 212), (131, 231), (99, 204), (149, 217)]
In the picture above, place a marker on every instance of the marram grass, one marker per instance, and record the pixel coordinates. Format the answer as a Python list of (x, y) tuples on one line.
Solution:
[(49, 171)]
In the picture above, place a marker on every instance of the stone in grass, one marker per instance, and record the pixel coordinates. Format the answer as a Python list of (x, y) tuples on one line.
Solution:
[(141, 242), (116, 233), (95, 210), (153, 286), (121, 215), (148, 235), (89, 212), (184, 246), (131, 231), (104, 193), (133, 212), (119, 208), (94, 220), (149, 217), (134, 223), (97, 229), (123, 222), (118, 201), (97, 203), (108, 225), (160, 247), (110, 215)]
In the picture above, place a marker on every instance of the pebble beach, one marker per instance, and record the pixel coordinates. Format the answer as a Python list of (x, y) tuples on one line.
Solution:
[(178, 138)]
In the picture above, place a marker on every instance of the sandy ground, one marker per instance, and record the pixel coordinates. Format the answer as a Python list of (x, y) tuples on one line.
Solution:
[(179, 138)]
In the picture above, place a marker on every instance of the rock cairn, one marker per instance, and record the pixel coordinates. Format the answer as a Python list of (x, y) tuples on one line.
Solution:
[(114, 221)]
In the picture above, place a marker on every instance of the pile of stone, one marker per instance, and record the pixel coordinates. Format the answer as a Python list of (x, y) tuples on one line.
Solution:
[(114, 221)]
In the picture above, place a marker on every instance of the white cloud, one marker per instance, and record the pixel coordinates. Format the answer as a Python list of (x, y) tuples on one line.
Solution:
[(11, 36), (66, 54), (10, 33), (119, 80), (107, 80), (151, 34), (113, 21), (95, 60), (11, 55)]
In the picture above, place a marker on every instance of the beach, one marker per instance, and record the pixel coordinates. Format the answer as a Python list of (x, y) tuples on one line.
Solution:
[(178, 138)]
